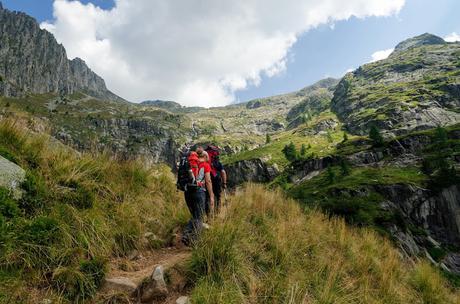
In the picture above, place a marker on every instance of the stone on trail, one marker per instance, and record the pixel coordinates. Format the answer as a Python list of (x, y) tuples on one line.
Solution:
[(158, 276), (11, 177), (155, 288), (119, 284), (183, 300)]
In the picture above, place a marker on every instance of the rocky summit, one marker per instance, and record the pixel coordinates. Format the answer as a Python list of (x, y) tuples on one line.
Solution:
[(417, 87), (31, 61)]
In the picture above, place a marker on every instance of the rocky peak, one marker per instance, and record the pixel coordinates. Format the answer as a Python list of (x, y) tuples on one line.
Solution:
[(424, 39), (32, 61)]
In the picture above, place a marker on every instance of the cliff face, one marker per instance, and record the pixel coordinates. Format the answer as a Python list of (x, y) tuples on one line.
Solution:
[(31, 61)]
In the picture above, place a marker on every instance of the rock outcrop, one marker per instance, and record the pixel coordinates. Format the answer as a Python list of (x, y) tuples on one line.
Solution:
[(31, 61), (415, 88), (11, 176), (424, 39), (255, 170), (154, 140)]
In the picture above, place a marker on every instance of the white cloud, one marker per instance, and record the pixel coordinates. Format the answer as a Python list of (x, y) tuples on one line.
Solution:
[(380, 55), (452, 37), (196, 52)]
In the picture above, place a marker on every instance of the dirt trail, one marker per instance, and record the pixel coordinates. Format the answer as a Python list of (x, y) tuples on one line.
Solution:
[(142, 265)]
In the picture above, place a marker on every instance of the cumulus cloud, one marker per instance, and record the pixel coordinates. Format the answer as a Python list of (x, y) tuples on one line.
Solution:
[(452, 37), (195, 52), (380, 55)]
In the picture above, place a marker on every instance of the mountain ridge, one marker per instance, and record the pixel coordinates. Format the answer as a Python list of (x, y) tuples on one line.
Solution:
[(31, 61)]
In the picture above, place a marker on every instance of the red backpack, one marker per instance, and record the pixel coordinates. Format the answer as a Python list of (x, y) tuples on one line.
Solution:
[(213, 153), (193, 162)]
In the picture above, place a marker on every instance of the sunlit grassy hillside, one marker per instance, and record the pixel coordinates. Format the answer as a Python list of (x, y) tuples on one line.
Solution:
[(269, 250), (77, 210)]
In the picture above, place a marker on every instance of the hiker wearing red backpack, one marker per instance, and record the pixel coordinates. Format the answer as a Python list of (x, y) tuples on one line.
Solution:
[(218, 178), (194, 179)]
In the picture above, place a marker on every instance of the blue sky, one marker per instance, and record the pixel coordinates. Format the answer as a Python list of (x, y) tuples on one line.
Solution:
[(326, 50)]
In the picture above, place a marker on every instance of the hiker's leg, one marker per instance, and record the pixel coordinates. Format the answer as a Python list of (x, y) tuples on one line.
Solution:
[(201, 203), (217, 188), (189, 200), (194, 226)]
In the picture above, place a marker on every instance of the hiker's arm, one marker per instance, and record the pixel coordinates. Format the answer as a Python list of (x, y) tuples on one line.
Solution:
[(207, 177), (224, 178)]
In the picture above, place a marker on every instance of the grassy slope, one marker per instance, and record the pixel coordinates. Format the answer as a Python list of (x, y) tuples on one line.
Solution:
[(321, 144), (423, 74), (76, 115), (80, 209), (77, 210), (267, 250)]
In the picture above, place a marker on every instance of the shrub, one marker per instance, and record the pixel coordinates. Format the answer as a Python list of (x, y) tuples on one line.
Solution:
[(290, 152), (330, 175), (73, 283), (303, 150), (376, 137), (79, 195), (8, 207), (35, 194), (440, 137), (445, 177), (357, 210), (41, 231), (94, 269), (344, 167)]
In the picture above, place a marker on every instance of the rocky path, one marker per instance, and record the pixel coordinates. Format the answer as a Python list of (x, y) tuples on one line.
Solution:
[(153, 277), (157, 276)]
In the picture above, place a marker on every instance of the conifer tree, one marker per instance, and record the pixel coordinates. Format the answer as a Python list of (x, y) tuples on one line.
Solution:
[(290, 152), (376, 137)]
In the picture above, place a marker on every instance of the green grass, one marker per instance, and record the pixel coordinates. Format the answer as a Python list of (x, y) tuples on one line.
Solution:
[(352, 196), (320, 144), (376, 97), (77, 211)]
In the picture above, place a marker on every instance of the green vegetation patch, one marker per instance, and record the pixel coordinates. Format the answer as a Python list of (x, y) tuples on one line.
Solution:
[(321, 144), (345, 191), (77, 210)]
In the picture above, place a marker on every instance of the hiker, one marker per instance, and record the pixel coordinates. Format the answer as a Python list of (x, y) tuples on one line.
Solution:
[(206, 165), (218, 177), (193, 178)]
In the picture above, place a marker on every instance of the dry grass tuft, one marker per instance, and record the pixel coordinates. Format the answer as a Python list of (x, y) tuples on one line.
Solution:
[(267, 250)]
